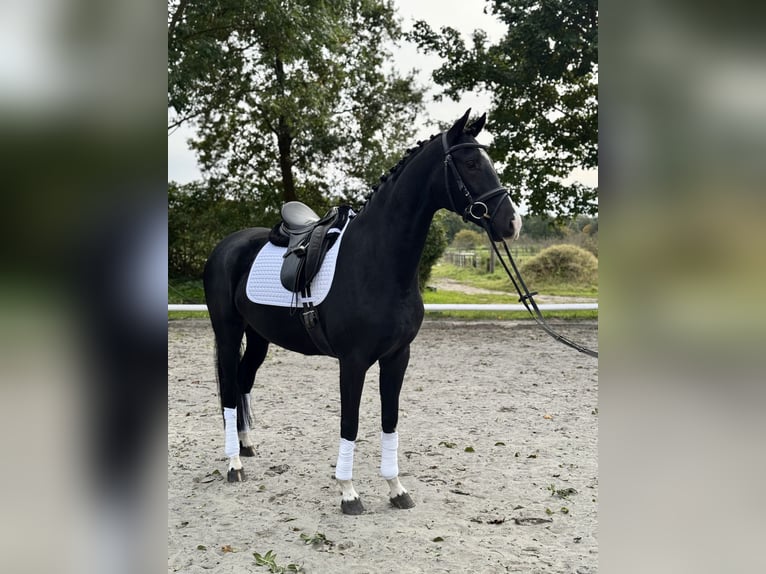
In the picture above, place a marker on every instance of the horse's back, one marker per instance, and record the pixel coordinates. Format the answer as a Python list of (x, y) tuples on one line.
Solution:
[(229, 261)]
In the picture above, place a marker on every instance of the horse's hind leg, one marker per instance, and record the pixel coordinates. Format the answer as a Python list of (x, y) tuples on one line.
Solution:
[(253, 357), (392, 370), (228, 339)]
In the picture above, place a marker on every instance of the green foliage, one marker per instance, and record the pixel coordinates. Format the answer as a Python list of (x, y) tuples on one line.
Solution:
[(543, 77), (453, 223), (468, 239), (436, 243), (583, 232), (561, 263), (291, 100), (199, 216), (537, 227), (317, 540), (270, 559), (541, 231)]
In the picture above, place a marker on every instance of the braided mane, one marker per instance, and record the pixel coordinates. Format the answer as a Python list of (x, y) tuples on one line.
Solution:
[(408, 154)]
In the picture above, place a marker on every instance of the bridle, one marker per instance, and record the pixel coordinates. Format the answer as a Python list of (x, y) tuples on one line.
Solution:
[(473, 204), (484, 219)]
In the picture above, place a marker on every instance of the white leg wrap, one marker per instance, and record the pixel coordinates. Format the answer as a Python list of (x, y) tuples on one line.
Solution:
[(389, 445), (345, 466), (231, 445)]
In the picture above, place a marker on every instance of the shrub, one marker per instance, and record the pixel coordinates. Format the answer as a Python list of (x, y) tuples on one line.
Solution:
[(468, 239), (562, 264), (436, 243)]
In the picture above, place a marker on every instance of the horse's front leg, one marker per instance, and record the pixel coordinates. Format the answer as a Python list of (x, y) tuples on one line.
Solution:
[(351, 383), (392, 370)]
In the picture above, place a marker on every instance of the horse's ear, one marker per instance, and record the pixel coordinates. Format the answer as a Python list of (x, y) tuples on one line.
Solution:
[(457, 129), (477, 126)]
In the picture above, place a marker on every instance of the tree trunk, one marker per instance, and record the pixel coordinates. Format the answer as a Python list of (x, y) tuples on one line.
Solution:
[(284, 142)]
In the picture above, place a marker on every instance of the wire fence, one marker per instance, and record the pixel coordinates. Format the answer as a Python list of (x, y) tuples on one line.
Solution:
[(483, 258)]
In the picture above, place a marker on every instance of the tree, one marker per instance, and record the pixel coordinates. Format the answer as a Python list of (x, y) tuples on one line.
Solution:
[(540, 227), (291, 99), (543, 78), (468, 239), (199, 216)]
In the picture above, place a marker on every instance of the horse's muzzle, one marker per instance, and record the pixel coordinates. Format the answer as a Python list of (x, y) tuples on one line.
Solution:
[(509, 229), (515, 225)]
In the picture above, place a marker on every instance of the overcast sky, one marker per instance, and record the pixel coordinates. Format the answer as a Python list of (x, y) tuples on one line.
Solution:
[(463, 15)]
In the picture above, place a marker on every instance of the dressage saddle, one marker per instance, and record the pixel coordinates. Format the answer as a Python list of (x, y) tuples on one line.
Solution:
[(308, 238)]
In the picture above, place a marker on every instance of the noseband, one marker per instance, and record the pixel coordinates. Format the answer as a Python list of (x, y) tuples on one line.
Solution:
[(476, 209)]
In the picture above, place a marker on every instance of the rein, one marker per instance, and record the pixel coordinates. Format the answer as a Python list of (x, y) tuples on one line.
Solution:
[(526, 298), (484, 219)]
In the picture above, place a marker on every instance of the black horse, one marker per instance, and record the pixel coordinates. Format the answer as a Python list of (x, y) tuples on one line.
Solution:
[(373, 310)]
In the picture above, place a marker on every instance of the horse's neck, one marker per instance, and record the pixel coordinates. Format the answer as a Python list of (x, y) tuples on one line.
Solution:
[(397, 219)]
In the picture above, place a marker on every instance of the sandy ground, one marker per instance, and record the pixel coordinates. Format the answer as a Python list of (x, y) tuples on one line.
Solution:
[(524, 404)]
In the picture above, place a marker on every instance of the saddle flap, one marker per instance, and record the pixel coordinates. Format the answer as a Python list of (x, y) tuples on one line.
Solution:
[(319, 244), (306, 250), (291, 272)]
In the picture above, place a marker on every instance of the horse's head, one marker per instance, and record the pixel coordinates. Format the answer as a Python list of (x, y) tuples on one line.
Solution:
[(472, 186)]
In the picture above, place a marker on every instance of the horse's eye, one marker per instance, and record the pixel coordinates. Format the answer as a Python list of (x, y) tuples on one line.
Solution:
[(471, 163)]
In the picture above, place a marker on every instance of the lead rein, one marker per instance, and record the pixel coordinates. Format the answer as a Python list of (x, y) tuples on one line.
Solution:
[(525, 295)]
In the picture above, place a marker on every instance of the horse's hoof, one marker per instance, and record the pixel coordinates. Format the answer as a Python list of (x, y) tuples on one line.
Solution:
[(236, 475), (353, 507), (246, 450), (402, 500)]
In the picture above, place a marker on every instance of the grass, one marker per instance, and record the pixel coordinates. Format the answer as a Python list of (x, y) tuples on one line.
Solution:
[(181, 315), (455, 297), (498, 281), (186, 291)]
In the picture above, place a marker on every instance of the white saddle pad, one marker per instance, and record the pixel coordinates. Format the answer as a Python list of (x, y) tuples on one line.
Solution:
[(264, 286)]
